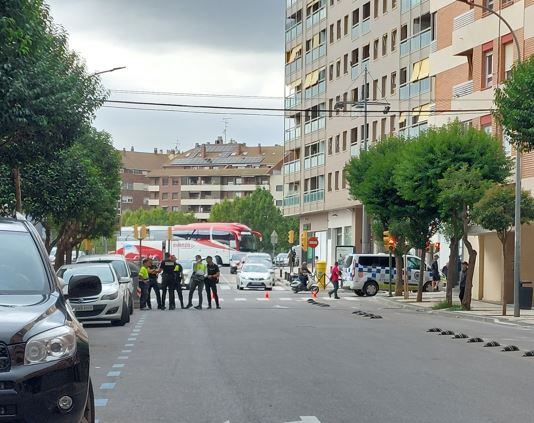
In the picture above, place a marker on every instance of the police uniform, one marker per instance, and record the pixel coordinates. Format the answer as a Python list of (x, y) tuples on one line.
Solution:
[(197, 281), (153, 285), (211, 283), (178, 276), (167, 282)]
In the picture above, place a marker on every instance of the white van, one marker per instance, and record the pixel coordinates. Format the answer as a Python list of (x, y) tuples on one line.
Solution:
[(363, 272)]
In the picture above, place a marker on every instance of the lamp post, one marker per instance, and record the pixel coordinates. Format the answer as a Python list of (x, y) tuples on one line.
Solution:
[(517, 218), (108, 70), (364, 105)]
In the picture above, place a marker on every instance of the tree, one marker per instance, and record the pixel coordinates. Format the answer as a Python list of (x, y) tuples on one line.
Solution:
[(515, 103), (259, 212), (48, 98), (156, 216), (496, 212)]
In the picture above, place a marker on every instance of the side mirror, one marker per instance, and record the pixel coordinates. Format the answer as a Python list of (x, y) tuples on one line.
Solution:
[(84, 286), (62, 283), (124, 279)]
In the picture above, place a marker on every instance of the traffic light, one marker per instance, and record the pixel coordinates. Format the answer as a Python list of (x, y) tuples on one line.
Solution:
[(169, 233), (291, 237), (304, 240), (136, 232), (144, 232), (437, 246), (386, 237)]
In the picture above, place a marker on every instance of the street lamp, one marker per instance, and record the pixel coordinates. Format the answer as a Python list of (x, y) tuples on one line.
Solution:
[(108, 71), (364, 105), (517, 219)]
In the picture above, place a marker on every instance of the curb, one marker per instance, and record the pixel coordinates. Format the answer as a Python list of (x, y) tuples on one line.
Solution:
[(494, 320)]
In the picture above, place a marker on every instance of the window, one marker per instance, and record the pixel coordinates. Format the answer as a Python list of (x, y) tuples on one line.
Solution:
[(375, 130), (331, 71), (343, 180), (393, 40), (176, 181), (489, 5), (393, 4), (337, 143), (354, 57), (346, 25), (346, 64), (337, 180), (330, 145), (508, 61), (164, 196), (366, 52), (375, 49), (175, 196), (404, 32), (279, 188), (422, 23), (375, 9), (354, 94), (393, 81), (331, 33), (338, 68), (355, 17), (384, 83), (384, 6), (339, 29), (128, 186), (487, 70), (344, 140), (345, 99), (278, 203), (375, 89), (384, 44), (330, 107), (403, 76), (392, 124), (330, 181), (383, 123), (127, 199), (487, 129), (354, 135), (165, 181), (366, 13)]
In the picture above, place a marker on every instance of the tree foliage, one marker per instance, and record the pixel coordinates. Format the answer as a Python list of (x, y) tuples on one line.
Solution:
[(515, 103), (157, 216), (259, 212)]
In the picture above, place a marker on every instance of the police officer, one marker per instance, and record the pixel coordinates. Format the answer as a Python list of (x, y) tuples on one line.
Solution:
[(211, 281), (197, 281), (153, 273), (178, 276), (167, 281)]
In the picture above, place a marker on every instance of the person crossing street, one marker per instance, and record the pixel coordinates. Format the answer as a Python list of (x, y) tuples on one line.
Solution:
[(178, 276), (167, 281), (334, 277), (197, 282), (212, 279)]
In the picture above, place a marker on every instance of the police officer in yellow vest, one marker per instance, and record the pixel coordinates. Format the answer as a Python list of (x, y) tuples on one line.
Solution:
[(178, 276), (197, 282)]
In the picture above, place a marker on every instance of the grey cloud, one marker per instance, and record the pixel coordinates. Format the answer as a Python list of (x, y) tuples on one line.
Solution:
[(253, 25)]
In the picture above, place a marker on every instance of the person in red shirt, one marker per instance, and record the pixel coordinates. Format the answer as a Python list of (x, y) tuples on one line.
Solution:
[(335, 274)]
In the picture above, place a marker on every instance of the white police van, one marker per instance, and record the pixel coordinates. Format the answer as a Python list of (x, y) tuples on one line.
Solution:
[(363, 272)]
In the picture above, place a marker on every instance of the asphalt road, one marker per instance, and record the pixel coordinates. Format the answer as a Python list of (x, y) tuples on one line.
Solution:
[(279, 359)]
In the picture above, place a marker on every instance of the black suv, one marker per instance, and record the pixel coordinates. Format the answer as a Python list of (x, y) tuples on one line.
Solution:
[(44, 350)]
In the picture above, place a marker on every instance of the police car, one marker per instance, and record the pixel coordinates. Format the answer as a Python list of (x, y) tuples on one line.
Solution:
[(363, 272)]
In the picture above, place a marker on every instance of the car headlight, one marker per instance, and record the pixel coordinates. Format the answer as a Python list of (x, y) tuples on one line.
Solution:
[(51, 345), (112, 296)]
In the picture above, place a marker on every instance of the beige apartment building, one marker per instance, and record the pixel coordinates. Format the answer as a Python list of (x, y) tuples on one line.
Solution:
[(332, 47), (197, 179)]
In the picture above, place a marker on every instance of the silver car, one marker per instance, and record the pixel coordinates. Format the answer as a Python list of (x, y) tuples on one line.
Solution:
[(112, 302)]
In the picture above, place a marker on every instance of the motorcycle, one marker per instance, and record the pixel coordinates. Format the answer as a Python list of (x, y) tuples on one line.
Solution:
[(297, 286)]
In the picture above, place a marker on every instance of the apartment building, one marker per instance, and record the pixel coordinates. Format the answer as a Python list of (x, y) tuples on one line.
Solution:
[(197, 179), (348, 51), (135, 168), (472, 54)]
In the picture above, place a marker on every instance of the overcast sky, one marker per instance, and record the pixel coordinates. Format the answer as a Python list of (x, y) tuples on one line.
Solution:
[(182, 46)]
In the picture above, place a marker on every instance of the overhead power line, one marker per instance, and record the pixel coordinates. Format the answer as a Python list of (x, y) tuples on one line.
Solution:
[(204, 95)]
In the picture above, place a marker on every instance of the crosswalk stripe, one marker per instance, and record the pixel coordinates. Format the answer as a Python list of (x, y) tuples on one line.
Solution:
[(285, 299), (262, 299), (226, 287), (240, 299)]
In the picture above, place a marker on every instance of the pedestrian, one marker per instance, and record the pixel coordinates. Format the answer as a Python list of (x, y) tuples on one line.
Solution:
[(463, 279), (211, 281), (334, 277), (197, 281), (143, 283), (153, 273), (435, 273), (167, 281), (445, 270), (178, 276)]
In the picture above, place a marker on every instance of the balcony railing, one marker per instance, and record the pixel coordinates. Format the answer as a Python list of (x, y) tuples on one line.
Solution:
[(404, 91), (417, 42), (314, 161), (294, 32), (293, 100), (292, 200), (317, 17), (314, 125), (315, 90), (366, 26), (413, 131), (292, 167), (315, 53), (355, 33), (414, 88), (464, 19), (315, 195), (355, 150), (292, 134), (293, 67), (462, 89), (408, 4)]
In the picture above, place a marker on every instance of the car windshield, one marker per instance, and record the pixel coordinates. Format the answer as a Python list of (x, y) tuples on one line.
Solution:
[(103, 272), (254, 268), (237, 256), (21, 267)]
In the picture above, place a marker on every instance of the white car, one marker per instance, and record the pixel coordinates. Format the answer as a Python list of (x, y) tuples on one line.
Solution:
[(187, 269), (112, 302), (255, 275)]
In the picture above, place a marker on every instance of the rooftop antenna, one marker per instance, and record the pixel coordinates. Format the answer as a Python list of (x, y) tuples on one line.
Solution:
[(178, 144), (226, 124)]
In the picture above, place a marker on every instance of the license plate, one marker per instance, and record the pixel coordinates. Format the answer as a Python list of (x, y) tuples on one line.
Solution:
[(82, 307)]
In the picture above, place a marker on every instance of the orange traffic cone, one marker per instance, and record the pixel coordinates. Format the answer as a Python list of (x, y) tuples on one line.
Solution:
[(314, 295), (267, 295)]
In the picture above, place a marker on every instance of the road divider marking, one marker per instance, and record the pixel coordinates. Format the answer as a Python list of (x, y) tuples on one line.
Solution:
[(101, 402), (118, 366), (108, 385), (240, 299), (114, 374), (126, 351), (122, 357), (128, 345)]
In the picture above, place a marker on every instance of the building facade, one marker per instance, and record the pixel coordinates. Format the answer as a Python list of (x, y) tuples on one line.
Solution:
[(197, 179)]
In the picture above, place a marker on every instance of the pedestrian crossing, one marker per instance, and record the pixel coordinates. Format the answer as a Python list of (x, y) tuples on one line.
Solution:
[(288, 299)]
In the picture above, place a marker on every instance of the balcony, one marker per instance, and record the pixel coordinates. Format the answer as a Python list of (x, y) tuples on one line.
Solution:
[(314, 161), (315, 54), (404, 92), (293, 67), (202, 216), (153, 202), (314, 125), (153, 188), (292, 167), (413, 131), (199, 201), (355, 71), (240, 187), (366, 26), (292, 200), (292, 134), (417, 42), (313, 196), (293, 100), (463, 20), (355, 32), (315, 90), (420, 87), (200, 187), (462, 89), (317, 17), (294, 32)]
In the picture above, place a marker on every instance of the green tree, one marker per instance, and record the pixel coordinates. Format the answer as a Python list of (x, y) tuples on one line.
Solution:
[(515, 103), (496, 212), (48, 98), (156, 216)]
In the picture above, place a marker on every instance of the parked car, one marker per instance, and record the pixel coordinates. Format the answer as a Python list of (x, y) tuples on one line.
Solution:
[(44, 350), (255, 275), (362, 273), (126, 271), (235, 261), (282, 260), (111, 304), (74, 256)]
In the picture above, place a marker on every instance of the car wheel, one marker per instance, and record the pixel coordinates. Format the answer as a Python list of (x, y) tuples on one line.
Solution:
[(89, 411), (370, 288), (125, 316), (359, 292), (427, 287)]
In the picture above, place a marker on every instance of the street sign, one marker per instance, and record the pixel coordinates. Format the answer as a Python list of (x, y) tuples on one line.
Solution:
[(274, 238), (313, 242)]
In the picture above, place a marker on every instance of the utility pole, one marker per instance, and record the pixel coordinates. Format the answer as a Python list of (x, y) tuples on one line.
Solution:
[(365, 221), (226, 124)]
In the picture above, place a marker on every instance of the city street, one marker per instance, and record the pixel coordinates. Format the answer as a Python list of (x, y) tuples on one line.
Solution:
[(282, 359)]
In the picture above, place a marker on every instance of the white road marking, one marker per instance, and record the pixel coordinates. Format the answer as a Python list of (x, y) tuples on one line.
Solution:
[(285, 299), (225, 287), (240, 299), (262, 299)]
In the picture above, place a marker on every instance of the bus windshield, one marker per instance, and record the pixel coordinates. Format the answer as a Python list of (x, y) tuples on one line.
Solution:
[(247, 243)]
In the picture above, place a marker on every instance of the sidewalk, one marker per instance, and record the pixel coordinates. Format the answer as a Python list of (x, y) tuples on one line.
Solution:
[(480, 310)]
